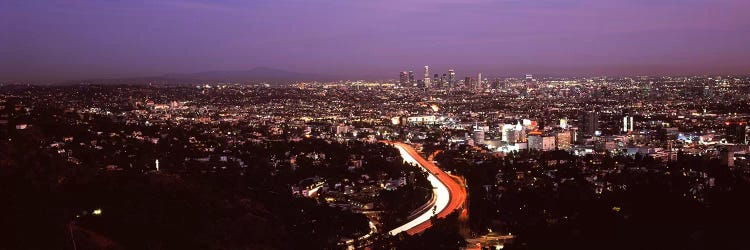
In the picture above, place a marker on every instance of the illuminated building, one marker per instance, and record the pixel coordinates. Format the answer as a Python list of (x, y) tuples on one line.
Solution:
[(537, 141), (451, 78), (479, 81), (627, 124), (564, 123), (426, 76), (403, 78), (564, 139), (423, 120), (508, 133), (478, 136)]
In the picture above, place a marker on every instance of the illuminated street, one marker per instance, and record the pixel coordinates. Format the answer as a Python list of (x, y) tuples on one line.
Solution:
[(449, 194)]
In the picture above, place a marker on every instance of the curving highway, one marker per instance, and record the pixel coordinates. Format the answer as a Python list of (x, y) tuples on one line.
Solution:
[(449, 194)]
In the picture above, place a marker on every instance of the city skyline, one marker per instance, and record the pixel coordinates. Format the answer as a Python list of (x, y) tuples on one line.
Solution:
[(49, 41), (389, 124), (376, 164)]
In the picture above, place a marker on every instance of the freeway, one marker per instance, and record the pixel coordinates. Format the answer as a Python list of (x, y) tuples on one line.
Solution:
[(449, 194)]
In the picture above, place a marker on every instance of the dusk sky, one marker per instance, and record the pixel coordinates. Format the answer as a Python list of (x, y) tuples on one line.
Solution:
[(78, 39)]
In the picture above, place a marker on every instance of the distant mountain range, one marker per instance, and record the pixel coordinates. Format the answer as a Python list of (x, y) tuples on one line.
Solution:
[(256, 74)]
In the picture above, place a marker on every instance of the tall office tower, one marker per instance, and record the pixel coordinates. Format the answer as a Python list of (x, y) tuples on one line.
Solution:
[(411, 77), (627, 124), (451, 78), (436, 80), (403, 78), (468, 82), (426, 76), (590, 122), (479, 81), (736, 132), (443, 80), (529, 77)]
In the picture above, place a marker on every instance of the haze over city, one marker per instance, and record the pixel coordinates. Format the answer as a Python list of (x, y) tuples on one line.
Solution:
[(70, 40)]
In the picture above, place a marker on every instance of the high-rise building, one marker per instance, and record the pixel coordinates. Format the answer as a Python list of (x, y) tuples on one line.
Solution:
[(479, 81), (436, 80), (451, 78), (468, 82), (736, 132), (411, 77), (403, 78), (426, 76), (590, 123), (627, 124), (443, 80)]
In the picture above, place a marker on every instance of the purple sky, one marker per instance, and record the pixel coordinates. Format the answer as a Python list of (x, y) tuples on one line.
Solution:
[(41, 40)]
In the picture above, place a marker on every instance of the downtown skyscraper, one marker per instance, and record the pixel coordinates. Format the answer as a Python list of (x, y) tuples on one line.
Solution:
[(403, 78), (478, 87), (451, 78), (426, 76)]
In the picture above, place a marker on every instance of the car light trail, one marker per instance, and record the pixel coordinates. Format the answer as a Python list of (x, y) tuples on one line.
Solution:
[(449, 195)]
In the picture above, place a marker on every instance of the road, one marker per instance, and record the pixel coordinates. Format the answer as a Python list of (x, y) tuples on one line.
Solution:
[(449, 194)]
